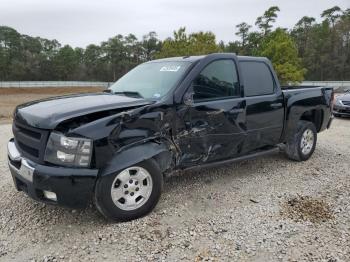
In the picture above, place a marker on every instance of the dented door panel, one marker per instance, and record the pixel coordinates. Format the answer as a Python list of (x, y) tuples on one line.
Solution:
[(212, 131)]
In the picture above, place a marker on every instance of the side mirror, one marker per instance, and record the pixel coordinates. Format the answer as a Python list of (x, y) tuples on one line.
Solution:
[(188, 99)]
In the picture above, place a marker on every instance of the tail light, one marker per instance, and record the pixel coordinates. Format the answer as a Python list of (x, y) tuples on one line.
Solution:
[(332, 100)]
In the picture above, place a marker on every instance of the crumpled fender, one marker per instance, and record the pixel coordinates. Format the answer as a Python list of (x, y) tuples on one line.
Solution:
[(136, 154)]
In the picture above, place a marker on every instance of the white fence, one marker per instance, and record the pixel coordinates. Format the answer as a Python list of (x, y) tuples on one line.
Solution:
[(42, 84), (339, 86)]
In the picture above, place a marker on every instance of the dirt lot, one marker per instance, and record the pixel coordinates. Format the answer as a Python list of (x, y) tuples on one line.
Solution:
[(269, 209), (10, 97)]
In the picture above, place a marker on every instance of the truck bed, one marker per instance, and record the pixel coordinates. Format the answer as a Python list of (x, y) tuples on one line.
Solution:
[(298, 87), (315, 100)]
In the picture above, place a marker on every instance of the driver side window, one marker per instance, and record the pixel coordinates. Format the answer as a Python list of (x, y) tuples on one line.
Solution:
[(218, 80)]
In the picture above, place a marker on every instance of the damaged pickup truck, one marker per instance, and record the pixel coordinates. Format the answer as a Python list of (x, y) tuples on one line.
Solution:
[(166, 115)]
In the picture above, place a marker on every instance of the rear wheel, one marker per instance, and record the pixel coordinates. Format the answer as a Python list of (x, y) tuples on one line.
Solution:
[(130, 193), (301, 145)]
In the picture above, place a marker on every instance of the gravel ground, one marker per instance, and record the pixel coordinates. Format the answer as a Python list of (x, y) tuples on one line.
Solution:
[(268, 209)]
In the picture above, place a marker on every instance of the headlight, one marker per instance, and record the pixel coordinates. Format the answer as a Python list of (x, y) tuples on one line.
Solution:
[(68, 151), (338, 102)]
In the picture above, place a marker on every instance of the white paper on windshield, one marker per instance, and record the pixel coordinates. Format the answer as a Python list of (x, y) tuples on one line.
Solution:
[(170, 68)]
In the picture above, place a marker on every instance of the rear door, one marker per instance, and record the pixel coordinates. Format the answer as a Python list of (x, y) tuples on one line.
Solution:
[(214, 123), (264, 99)]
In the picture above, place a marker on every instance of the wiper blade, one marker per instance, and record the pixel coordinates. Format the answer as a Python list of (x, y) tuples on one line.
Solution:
[(129, 94)]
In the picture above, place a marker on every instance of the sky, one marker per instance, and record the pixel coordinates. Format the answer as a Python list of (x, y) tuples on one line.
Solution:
[(83, 22)]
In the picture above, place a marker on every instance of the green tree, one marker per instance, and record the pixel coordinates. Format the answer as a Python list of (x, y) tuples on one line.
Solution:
[(115, 56), (11, 53), (243, 30), (150, 46), (324, 47), (96, 64), (232, 47), (66, 63), (332, 14), (3, 64), (280, 48), (301, 34), (343, 28), (265, 21), (185, 45), (49, 50), (133, 50)]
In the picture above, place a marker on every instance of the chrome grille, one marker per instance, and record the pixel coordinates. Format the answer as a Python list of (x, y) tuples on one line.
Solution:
[(346, 103)]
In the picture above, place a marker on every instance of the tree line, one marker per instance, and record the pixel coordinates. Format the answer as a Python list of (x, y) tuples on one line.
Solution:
[(310, 50)]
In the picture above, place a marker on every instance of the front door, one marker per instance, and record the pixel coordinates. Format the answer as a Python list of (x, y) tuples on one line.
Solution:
[(214, 125)]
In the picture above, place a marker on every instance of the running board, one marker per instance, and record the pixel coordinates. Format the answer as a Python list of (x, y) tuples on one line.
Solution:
[(265, 152)]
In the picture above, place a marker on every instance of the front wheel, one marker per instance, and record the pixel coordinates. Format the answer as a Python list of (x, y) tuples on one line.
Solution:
[(130, 193), (301, 145)]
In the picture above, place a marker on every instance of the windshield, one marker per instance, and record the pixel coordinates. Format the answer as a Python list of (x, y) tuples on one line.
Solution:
[(150, 80)]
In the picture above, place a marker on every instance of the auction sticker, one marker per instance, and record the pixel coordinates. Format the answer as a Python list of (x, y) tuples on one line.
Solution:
[(170, 68)]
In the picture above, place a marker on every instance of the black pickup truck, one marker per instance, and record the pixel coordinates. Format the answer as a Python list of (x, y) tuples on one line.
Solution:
[(166, 115)]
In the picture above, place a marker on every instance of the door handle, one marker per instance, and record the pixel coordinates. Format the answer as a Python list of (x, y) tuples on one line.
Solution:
[(236, 110), (276, 105), (215, 112)]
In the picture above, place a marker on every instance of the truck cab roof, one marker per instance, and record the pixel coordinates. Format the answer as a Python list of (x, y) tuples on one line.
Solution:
[(219, 55)]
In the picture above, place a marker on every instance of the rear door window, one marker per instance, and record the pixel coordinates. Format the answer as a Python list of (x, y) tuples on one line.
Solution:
[(257, 78)]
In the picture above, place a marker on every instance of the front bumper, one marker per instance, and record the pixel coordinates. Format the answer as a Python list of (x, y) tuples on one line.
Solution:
[(341, 110), (73, 187)]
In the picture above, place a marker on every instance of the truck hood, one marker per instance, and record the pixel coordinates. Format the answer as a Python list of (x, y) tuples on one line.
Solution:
[(48, 113)]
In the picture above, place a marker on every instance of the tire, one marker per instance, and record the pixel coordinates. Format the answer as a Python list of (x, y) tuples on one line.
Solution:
[(129, 188), (336, 115), (294, 146)]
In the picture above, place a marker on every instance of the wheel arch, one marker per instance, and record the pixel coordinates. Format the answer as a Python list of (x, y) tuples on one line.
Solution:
[(295, 114), (314, 116), (160, 152)]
